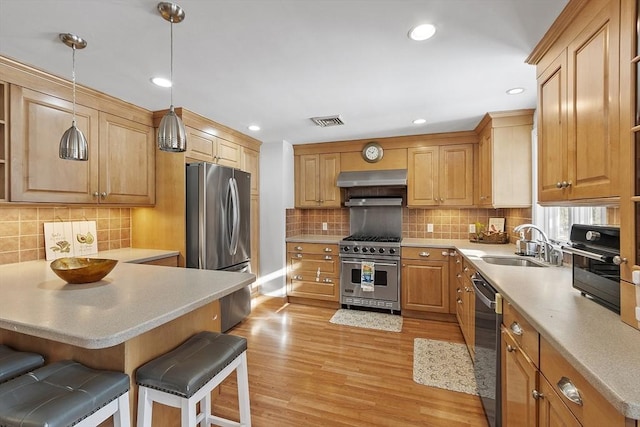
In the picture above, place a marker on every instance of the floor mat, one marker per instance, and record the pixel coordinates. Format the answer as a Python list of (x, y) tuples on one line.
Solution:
[(444, 365), (368, 319)]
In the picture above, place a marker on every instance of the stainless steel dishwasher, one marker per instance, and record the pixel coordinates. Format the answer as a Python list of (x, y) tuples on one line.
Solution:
[(488, 317)]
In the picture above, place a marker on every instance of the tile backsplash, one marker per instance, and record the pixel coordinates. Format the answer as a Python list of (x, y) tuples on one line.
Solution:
[(447, 223), (22, 229)]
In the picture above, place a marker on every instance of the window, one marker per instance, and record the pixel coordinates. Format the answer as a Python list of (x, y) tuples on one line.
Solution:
[(557, 221)]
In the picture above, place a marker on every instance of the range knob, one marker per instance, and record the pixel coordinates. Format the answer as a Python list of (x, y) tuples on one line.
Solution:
[(392, 251), (364, 250), (381, 250), (372, 250), (356, 249), (346, 249), (592, 236)]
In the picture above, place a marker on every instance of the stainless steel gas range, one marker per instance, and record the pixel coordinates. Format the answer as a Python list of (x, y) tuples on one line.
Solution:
[(370, 256)]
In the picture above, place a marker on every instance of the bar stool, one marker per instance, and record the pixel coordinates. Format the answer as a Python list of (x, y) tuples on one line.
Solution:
[(65, 394), (186, 375), (14, 363)]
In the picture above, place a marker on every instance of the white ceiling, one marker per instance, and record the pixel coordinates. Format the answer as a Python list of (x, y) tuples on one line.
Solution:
[(276, 63)]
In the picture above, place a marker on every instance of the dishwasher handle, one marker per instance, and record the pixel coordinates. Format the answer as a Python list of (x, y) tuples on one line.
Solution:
[(479, 286)]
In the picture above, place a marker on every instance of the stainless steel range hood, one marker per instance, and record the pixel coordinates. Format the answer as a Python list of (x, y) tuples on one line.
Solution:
[(377, 178)]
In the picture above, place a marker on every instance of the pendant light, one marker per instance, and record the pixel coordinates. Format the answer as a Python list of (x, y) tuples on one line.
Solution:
[(73, 144), (171, 133)]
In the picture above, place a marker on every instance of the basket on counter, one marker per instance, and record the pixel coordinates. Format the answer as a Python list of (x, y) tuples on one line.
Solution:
[(494, 238)]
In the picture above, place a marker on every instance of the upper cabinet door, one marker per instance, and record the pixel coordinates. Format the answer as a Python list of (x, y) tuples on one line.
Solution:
[(422, 179), (37, 172), (456, 175), (593, 69), (552, 130), (127, 166), (251, 164)]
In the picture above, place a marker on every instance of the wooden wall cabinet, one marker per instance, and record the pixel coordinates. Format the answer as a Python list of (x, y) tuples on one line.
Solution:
[(313, 271), (578, 107), (440, 175), (425, 280), (315, 177), (206, 147), (504, 160), (121, 165)]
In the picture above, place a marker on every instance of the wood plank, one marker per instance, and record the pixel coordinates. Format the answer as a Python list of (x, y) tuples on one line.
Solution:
[(304, 370)]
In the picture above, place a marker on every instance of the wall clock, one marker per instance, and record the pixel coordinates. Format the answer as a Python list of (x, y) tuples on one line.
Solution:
[(372, 152)]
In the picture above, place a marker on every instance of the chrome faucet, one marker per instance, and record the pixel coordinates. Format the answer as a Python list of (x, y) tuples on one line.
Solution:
[(548, 253)]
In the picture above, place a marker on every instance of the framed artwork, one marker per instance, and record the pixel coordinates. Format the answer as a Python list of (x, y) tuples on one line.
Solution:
[(58, 240), (496, 225)]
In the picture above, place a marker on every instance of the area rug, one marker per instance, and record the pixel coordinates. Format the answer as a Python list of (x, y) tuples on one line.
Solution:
[(444, 365), (368, 319)]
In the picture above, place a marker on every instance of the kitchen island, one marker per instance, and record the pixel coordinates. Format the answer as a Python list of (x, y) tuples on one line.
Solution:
[(133, 315)]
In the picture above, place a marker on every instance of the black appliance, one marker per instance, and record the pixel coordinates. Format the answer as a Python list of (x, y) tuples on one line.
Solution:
[(596, 263), (486, 368)]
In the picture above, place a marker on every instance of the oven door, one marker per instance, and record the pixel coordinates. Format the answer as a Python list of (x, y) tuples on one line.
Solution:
[(598, 279), (385, 279)]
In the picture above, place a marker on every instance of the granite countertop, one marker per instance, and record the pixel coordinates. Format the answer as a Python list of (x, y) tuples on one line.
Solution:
[(592, 338), (130, 300)]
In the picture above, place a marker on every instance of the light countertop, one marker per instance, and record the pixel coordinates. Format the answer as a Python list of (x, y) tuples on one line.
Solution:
[(135, 255), (130, 300), (592, 338)]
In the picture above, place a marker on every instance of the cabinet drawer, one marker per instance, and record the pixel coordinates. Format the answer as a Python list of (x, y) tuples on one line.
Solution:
[(426, 254), (327, 264), (316, 290), (522, 332), (594, 410), (313, 248)]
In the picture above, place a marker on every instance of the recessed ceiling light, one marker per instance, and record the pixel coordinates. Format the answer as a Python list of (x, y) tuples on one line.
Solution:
[(515, 91), (254, 128), (161, 81), (422, 32), (419, 121)]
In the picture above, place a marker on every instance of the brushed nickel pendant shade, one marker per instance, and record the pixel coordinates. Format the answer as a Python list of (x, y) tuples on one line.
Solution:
[(172, 135), (73, 144)]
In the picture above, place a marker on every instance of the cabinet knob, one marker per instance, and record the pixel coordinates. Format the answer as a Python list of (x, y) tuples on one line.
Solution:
[(558, 184), (458, 290), (298, 248), (103, 194), (510, 348), (328, 257), (327, 280), (458, 275), (458, 300), (516, 328), (617, 260), (424, 254), (95, 194), (328, 250), (441, 199), (465, 269), (468, 289), (536, 394), (445, 253), (570, 391), (298, 255), (297, 277)]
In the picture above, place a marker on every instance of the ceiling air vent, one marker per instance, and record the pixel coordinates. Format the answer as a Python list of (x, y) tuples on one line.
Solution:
[(328, 121)]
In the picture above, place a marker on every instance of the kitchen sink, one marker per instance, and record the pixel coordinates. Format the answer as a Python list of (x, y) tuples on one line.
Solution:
[(514, 261)]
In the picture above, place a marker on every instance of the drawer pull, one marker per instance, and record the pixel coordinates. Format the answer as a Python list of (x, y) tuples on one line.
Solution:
[(569, 390), (328, 250), (298, 255), (516, 329), (424, 254), (510, 348), (445, 253), (298, 248), (328, 257), (297, 277), (536, 394), (327, 280)]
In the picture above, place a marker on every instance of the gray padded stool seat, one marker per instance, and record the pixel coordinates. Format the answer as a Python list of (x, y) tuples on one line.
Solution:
[(65, 394), (187, 375), (14, 363)]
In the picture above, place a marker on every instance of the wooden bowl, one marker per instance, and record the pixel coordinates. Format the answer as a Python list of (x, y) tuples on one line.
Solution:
[(82, 270)]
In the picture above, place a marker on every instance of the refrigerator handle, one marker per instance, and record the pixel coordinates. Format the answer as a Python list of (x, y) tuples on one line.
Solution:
[(202, 215), (235, 234)]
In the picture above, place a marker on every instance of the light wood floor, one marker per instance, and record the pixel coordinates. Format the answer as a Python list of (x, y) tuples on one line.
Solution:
[(305, 371)]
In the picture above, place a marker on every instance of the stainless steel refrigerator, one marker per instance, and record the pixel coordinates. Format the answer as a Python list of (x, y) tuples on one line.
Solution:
[(218, 229)]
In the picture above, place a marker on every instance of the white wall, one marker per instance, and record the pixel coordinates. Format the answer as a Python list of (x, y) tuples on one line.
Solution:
[(276, 195)]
